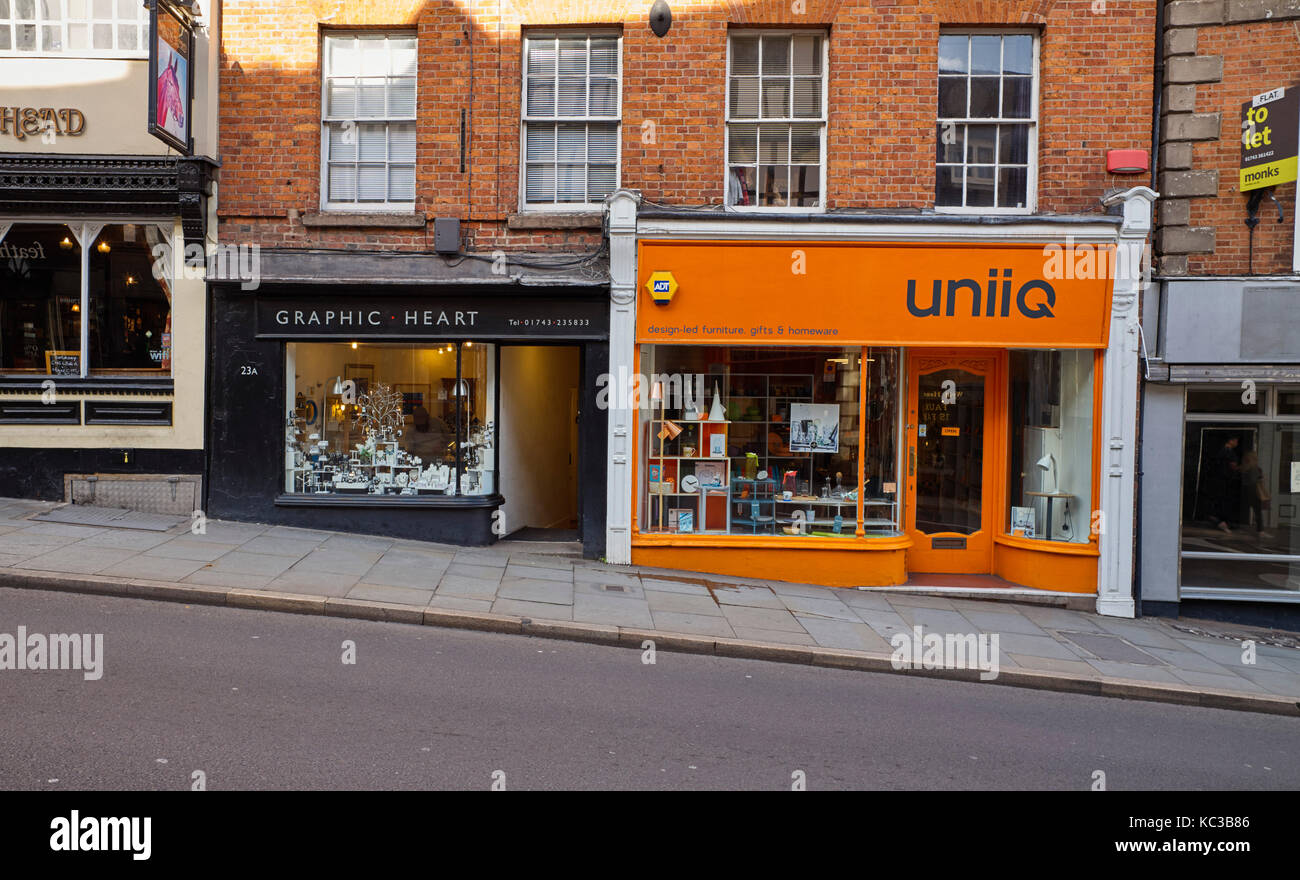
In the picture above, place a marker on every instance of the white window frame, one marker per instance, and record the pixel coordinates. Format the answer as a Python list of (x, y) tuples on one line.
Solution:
[(824, 120), (524, 119), (1031, 171), (11, 22), (326, 205)]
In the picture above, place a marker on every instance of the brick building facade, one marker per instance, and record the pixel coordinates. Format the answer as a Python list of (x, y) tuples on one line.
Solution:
[(1221, 325), (973, 133)]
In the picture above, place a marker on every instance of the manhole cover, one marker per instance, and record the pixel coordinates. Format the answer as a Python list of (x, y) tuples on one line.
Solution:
[(110, 517), (613, 588), (1112, 648)]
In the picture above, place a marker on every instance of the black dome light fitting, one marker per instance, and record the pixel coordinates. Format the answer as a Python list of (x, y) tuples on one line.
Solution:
[(661, 17)]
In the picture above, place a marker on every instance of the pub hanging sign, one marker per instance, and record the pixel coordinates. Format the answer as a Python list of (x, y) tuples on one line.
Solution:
[(171, 72)]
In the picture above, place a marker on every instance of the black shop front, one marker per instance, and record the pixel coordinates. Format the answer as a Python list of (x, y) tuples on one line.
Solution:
[(457, 413)]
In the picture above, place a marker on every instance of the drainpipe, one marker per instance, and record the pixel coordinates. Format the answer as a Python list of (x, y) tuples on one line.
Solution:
[(1157, 105)]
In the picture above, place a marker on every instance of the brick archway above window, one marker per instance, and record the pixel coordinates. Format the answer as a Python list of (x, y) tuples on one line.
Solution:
[(992, 12)]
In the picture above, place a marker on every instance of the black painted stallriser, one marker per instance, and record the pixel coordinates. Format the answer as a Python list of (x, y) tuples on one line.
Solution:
[(38, 473)]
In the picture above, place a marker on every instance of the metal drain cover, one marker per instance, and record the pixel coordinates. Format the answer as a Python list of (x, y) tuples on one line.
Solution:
[(110, 517), (1112, 648), (613, 588)]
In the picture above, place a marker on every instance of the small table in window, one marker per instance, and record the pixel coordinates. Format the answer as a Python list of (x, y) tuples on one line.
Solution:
[(1050, 496)]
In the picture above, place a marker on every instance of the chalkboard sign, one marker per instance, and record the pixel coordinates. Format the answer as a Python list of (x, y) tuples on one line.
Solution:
[(63, 363)]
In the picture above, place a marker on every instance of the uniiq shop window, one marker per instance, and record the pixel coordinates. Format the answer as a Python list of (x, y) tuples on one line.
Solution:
[(776, 119), (1051, 436), (1241, 488), (368, 127), (50, 285), (768, 441), (986, 135), (390, 419), (571, 113), (77, 27)]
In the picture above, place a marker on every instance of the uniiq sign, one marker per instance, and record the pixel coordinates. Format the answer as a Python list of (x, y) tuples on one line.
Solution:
[(768, 293)]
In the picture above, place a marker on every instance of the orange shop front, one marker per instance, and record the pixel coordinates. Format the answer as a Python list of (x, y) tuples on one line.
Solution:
[(853, 413)]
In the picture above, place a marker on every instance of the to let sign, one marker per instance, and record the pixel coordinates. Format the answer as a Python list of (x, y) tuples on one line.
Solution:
[(1269, 138)]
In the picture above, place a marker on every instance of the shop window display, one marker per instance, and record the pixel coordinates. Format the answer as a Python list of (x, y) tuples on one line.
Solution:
[(1051, 445), (130, 309), (390, 419), (1241, 489), (767, 441), (40, 300)]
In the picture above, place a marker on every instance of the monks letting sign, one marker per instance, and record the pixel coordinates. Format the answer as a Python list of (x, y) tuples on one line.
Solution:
[(1269, 138)]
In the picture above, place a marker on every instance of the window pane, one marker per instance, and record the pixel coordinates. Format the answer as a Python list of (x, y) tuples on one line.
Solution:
[(571, 143), (403, 57), (602, 143), (540, 142), (572, 97), (342, 143), (370, 98), (807, 53), (604, 56), (372, 143), (808, 98), (401, 143), (51, 38), (981, 143), (342, 55), (401, 97), (541, 97), (25, 36), (374, 56), (342, 183), (1288, 402), (741, 186), (40, 298), (952, 53), (805, 186), (76, 8), (951, 141), (984, 97), (6, 39), (540, 183), (1017, 97), (571, 183), (127, 10), (806, 144), (744, 56), (1223, 400), (573, 57), (601, 181), (776, 97), (103, 8), (742, 144), (372, 183), (341, 98), (1013, 145), (1018, 53), (774, 143), (979, 186), (130, 310), (1051, 445), (541, 58), (604, 97), (774, 183), (102, 36), (985, 54), (401, 183), (952, 97), (744, 97), (776, 55), (948, 186), (126, 34), (1013, 187)]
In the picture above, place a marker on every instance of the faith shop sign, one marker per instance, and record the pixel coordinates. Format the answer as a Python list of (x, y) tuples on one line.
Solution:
[(415, 318), (1269, 138)]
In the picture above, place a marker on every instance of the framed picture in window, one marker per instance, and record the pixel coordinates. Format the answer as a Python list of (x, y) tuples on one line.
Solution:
[(361, 374)]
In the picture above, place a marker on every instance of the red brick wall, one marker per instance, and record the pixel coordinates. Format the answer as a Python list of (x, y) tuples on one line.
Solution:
[(1256, 57), (1095, 94)]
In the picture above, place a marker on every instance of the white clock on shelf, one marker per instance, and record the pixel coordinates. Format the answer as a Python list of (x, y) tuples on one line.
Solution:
[(690, 484)]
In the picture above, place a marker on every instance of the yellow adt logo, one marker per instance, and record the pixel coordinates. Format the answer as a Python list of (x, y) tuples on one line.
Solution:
[(662, 286)]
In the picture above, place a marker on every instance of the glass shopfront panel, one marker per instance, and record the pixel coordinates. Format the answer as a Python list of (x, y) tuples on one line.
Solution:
[(40, 300), (1051, 434), (130, 309), (1241, 492), (390, 419), (768, 440)]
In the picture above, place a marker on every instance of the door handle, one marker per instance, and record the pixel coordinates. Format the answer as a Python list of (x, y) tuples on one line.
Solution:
[(911, 462)]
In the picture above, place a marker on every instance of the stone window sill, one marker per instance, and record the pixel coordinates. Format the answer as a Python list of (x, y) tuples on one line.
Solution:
[(363, 219), (556, 220)]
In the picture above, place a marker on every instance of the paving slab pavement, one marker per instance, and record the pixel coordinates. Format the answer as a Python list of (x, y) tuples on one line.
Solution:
[(512, 587)]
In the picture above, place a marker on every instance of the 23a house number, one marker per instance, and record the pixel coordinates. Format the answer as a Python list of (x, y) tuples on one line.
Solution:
[(248, 370)]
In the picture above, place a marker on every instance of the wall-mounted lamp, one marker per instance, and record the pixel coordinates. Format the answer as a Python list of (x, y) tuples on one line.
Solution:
[(354, 346)]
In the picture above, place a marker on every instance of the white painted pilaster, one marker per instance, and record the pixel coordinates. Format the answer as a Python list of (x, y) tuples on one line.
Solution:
[(1119, 411), (621, 211)]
